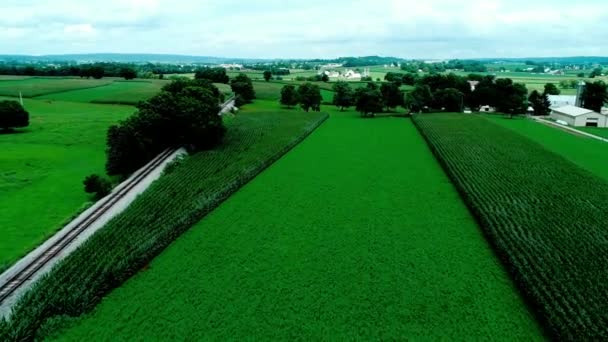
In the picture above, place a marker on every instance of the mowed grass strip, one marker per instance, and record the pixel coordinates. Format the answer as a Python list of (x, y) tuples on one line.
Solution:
[(42, 168), (355, 234), (118, 92), (31, 87), (586, 152)]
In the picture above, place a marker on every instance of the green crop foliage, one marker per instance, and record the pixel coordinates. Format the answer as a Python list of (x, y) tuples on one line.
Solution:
[(545, 216), (256, 137), (48, 161), (30, 87), (356, 234), (117, 92), (588, 153)]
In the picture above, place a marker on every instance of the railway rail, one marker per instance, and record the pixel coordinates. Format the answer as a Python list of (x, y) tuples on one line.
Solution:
[(31, 269)]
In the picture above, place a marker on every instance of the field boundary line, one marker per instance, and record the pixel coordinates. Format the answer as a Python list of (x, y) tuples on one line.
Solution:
[(569, 129)]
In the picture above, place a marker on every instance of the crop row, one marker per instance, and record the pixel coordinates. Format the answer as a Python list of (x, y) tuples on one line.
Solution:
[(167, 209), (545, 217)]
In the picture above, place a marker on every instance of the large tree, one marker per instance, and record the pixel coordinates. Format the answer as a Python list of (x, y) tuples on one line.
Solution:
[(343, 95), (177, 116), (13, 115), (391, 95), (243, 88), (216, 75), (309, 96), (289, 96), (540, 102), (595, 95), (368, 100), (551, 89), (450, 99), (128, 73), (510, 97), (267, 75), (418, 99)]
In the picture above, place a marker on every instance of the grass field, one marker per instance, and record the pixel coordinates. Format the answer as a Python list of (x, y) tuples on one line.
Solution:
[(42, 168), (544, 215), (123, 92), (31, 87), (354, 235), (588, 153), (600, 132)]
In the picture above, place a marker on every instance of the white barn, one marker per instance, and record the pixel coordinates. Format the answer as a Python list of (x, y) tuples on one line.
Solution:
[(579, 117), (562, 100)]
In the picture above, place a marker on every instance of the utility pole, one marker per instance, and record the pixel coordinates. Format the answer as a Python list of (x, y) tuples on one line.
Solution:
[(21, 99)]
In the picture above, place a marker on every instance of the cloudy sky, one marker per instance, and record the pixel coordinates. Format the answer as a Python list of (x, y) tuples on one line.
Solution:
[(307, 29)]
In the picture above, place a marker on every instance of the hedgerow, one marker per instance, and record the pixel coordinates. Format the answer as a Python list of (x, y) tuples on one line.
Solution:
[(545, 217), (157, 217)]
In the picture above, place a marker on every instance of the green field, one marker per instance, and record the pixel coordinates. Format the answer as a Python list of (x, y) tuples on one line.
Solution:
[(600, 132), (544, 215), (354, 235), (588, 153), (30, 87), (42, 168), (123, 92), (256, 137)]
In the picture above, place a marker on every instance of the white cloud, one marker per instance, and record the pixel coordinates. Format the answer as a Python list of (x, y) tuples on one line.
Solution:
[(307, 28)]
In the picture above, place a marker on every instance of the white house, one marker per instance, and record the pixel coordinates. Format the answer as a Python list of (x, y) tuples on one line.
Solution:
[(487, 109), (579, 117), (352, 75), (562, 100)]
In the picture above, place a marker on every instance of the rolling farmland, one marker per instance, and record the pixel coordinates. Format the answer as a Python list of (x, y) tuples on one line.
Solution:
[(117, 92), (549, 229), (334, 241), (256, 137), (48, 160), (30, 87), (588, 153)]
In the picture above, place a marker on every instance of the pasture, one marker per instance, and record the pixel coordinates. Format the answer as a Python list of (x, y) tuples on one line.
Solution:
[(117, 92), (600, 132), (37, 86), (354, 234), (42, 168)]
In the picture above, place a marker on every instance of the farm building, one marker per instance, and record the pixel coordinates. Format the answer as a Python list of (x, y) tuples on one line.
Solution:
[(579, 117), (487, 109), (562, 100)]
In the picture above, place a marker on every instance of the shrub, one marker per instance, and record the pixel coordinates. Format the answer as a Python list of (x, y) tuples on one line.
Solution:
[(95, 184)]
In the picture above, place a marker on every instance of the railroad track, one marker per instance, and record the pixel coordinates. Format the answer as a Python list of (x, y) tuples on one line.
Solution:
[(27, 272)]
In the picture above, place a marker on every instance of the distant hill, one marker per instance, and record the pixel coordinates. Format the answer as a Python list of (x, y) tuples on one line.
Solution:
[(185, 59), (127, 58), (561, 60)]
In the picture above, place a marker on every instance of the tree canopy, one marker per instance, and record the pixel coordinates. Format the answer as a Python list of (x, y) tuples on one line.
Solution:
[(289, 96), (13, 115), (368, 100), (185, 114), (243, 88), (267, 75), (551, 89), (310, 96), (343, 95), (128, 73), (215, 75), (539, 102), (595, 95), (391, 95)]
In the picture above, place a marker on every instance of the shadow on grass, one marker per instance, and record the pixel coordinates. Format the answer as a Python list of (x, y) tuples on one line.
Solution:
[(13, 131)]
